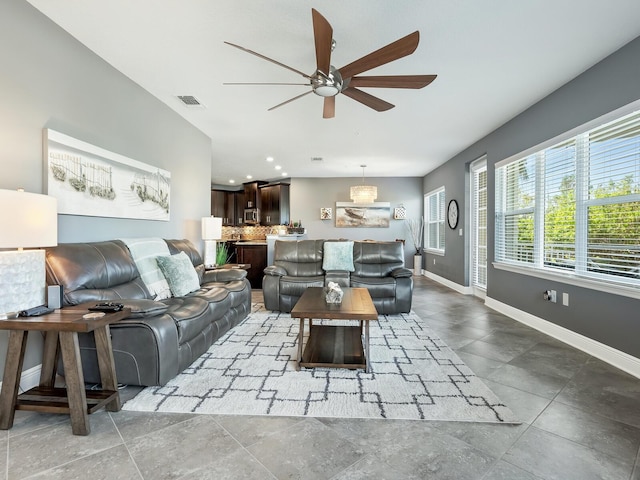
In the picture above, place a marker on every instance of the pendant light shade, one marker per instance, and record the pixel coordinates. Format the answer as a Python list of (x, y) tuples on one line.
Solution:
[(363, 193)]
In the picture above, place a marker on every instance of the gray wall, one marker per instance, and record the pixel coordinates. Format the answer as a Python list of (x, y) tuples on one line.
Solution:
[(49, 80), (308, 195), (609, 319)]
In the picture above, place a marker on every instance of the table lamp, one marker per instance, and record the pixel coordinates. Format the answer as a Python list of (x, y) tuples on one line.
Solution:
[(27, 220), (211, 231)]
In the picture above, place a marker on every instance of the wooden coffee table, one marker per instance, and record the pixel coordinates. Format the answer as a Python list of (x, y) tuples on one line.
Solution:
[(335, 346)]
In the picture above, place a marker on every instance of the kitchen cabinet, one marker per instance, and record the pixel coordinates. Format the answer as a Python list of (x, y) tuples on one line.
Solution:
[(239, 212), (256, 255), (223, 205), (275, 204), (252, 195)]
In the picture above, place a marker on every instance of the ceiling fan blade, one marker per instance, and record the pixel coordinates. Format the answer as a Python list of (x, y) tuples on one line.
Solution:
[(264, 83), (398, 49), (393, 81), (368, 100), (323, 35), (290, 100), (329, 109), (268, 59)]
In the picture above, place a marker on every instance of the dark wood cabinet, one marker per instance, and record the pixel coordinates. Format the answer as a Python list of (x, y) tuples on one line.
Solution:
[(275, 204), (239, 213), (252, 195), (224, 205), (256, 255)]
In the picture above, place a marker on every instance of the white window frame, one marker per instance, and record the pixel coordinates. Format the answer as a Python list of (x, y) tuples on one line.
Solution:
[(478, 166), (578, 276), (437, 223)]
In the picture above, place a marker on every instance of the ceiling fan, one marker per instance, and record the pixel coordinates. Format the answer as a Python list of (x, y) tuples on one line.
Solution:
[(328, 81)]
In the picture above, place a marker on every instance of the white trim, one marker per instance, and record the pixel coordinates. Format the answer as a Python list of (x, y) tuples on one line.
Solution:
[(569, 279), (30, 378), (610, 355), (448, 283)]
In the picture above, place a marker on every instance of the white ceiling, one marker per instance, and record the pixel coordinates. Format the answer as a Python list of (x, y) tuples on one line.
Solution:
[(493, 58)]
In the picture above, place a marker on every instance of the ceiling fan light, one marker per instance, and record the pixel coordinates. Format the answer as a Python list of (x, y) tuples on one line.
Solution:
[(326, 91), (364, 193)]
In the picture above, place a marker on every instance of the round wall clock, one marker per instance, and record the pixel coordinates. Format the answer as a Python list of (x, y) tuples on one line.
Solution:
[(452, 214)]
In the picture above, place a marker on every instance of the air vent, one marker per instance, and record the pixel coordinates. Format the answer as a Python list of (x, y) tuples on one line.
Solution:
[(190, 101), (316, 159)]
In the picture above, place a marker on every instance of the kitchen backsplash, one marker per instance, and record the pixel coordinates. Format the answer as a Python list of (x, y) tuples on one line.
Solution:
[(248, 233)]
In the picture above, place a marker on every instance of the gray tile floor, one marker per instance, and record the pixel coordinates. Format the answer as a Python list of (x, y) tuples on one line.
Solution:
[(581, 420)]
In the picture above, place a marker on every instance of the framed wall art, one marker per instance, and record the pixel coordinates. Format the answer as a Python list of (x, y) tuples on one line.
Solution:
[(89, 180), (371, 215), (326, 213), (399, 213)]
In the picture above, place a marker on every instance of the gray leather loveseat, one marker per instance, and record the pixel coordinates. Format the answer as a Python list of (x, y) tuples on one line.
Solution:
[(377, 266), (160, 338)]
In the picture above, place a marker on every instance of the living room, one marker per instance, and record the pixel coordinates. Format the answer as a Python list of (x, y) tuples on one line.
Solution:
[(50, 80)]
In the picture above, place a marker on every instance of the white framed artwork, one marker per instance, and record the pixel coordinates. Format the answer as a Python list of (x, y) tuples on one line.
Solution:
[(89, 180)]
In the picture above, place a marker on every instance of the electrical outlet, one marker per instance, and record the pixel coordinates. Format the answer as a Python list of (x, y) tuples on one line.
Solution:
[(434, 261), (554, 297), (549, 296)]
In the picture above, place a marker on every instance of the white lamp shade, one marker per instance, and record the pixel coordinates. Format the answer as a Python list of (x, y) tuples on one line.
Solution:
[(28, 220), (211, 228)]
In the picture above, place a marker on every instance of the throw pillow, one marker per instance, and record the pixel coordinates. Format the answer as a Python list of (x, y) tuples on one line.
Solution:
[(338, 256), (144, 252), (180, 274)]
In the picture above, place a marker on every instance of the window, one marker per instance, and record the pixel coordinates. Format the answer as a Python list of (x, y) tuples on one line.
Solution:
[(434, 206), (479, 223), (573, 208)]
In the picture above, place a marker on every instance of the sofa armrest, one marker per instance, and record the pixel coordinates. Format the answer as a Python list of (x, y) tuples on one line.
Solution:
[(224, 275), (141, 308), (275, 271), (401, 272)]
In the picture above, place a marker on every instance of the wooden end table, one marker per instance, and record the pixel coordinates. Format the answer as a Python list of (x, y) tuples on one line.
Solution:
[(335, 346), (61, 337)]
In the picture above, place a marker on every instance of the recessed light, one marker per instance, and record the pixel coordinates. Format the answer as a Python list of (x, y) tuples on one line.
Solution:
[(269, 159), (232, 181), (284, 174), (249, 177), (278, 167)]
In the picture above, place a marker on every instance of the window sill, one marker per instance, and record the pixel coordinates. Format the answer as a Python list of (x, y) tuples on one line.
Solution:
[(608, 287), (434, 252)]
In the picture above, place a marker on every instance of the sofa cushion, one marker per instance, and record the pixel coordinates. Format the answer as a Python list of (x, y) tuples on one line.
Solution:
[(338, 256), (144, 252), (143, 308), (191, 316), (179, 272)]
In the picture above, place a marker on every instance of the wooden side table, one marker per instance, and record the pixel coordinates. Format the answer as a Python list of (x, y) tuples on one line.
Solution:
[(231, 266), (61, 337)]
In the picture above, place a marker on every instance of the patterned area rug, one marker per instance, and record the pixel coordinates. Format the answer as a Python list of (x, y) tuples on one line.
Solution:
[(251, 371)]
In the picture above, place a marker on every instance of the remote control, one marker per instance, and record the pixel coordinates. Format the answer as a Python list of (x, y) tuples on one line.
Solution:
[(106, 307), (36, 311)]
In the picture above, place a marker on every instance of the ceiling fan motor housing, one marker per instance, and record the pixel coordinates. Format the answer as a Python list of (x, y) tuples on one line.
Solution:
[(327, 85)]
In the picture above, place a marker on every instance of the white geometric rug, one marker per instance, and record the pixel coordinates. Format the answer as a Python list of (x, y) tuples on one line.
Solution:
[(251, 371)]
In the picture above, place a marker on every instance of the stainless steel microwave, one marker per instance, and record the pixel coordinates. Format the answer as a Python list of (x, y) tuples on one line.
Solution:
[(251, 216)]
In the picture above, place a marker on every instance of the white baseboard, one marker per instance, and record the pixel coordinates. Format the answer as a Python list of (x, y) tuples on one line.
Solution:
[(30, 378), (610, 355), (448, 283)]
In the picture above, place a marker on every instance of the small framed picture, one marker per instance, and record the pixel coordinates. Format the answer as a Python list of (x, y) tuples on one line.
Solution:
[(399, 213), (326, 213)]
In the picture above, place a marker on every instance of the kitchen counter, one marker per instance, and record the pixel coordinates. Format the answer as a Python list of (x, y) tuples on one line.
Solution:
[(251, 242)]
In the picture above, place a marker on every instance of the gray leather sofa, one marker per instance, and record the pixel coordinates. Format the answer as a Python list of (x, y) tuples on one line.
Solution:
[(377, 266), (160, 338)]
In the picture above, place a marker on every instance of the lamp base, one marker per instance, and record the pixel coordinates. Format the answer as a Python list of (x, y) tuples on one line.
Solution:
[(209, 253), (22, 280)]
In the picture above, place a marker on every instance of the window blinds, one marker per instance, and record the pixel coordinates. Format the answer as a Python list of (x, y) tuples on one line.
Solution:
[(575, 206)]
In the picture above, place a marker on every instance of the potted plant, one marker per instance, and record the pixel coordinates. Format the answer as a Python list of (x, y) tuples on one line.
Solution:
[(416, 230), (222, 254)]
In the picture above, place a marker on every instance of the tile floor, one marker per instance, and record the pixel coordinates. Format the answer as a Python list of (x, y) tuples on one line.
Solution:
[(581, 420)]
